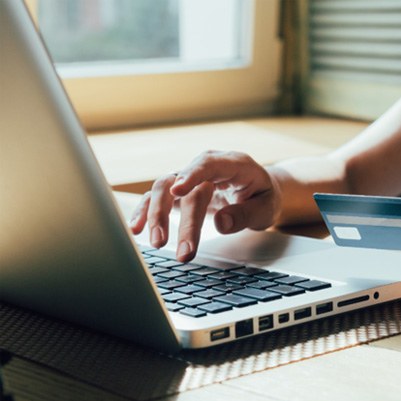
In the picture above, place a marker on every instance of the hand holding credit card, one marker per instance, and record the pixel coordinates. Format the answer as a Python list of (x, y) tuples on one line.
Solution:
[(362, 221)]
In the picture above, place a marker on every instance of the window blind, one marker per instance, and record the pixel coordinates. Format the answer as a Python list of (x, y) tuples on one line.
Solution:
[(354, 57)]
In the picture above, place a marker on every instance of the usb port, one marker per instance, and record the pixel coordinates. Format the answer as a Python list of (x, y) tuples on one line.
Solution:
[(265, 322), (243, 328), (324, 308), (284, 318), (219, 334), (302, 313)]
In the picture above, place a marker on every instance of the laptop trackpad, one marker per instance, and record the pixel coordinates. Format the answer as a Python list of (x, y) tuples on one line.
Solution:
[(258, 246)]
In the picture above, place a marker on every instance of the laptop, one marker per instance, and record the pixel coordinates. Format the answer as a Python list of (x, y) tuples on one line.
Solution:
[(66, 250)]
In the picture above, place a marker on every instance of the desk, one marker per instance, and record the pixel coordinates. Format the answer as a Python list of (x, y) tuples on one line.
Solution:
[(367, 372), (132, 159), (371, 371), (68, 358)]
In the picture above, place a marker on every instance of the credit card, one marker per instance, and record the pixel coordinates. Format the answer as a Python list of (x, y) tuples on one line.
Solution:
[(362, 221)]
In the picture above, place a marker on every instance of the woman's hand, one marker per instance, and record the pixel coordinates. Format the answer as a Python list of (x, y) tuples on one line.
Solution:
[(231, 185)]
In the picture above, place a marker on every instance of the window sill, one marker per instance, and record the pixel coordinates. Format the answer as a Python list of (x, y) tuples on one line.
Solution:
[(131, 160)]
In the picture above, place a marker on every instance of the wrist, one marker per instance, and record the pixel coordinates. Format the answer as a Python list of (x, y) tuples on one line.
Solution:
[(277, 195)]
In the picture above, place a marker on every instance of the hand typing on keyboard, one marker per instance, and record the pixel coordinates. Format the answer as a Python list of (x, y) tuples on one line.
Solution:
[(230, 185)]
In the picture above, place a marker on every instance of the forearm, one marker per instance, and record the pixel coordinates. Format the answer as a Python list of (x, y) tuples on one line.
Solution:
[(370, 164), (298, 179), (373, 159)]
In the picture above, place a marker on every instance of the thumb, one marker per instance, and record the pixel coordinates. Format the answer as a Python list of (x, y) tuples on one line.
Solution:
[(257, 213)]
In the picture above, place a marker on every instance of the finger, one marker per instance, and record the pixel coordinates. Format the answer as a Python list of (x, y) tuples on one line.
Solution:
[(219, 200), (139, 216), (232, 168), (160, 205), (257, 213), (177, 203), (193, 210)]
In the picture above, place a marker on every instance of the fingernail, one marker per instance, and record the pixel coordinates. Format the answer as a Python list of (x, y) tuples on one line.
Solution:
[(156, 237), (134, 221), (184, 249), (227, 222), (134, 228), (178, 181)]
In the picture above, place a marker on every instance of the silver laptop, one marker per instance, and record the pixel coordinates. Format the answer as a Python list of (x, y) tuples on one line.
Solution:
[(66, 251)]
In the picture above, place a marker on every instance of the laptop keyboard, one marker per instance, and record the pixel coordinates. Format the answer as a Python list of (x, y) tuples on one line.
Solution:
[(197, 290)]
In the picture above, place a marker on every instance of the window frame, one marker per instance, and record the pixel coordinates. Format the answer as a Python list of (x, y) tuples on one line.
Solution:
[(123, 100), (362, 96)]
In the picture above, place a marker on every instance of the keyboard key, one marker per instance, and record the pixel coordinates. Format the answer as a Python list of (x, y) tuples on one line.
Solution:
[(271, 275), (170, 274), (204, 271), (210, 293), (260, 295), (173, 307), (145, 256), (175, 296), (189, 289), (236, 300), (314, 285), (157, 270), (158, 279), (250, 271), (153, 260), (208, 283), (171, 284), (215, 307), (241, 280), (189, 267), (222, 275), (189, 279), (287, 290), (193, 312), (169, 264), (222, 266), (163, 291), (261, 284), (290, 280), (193, 302), (228, 287)]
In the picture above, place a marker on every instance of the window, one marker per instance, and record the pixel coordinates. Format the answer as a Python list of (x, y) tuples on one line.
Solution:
[(85, 32), (355, 57), (127, 62)]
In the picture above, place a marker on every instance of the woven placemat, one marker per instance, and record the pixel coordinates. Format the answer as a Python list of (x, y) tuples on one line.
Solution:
[(135, 372)]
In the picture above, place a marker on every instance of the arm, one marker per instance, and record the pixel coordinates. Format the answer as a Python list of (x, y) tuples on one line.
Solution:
[(368, 164)]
